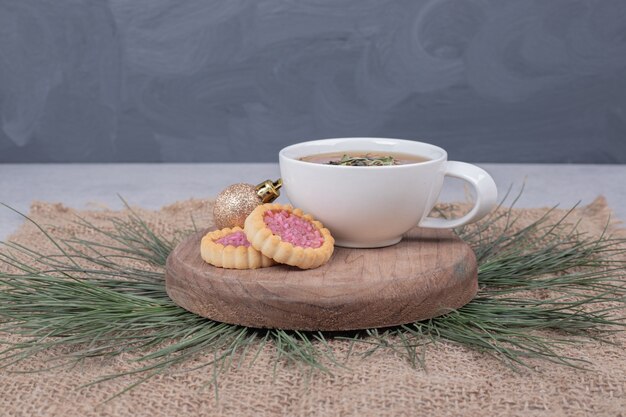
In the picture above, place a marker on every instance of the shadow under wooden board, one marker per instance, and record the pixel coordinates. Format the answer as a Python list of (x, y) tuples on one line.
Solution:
[(430, 272)]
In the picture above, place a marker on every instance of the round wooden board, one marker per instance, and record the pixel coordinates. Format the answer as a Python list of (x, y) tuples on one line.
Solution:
[(428, 273)]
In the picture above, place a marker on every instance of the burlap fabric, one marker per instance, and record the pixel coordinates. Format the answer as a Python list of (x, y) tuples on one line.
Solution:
[(456, 382)]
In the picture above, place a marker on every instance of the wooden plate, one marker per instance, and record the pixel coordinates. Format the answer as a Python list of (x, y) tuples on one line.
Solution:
[(428, 273)]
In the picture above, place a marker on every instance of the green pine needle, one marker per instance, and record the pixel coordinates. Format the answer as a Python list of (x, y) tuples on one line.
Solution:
[(86, 302)]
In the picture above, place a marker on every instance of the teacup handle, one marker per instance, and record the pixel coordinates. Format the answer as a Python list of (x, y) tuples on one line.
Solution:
[(486, 195)]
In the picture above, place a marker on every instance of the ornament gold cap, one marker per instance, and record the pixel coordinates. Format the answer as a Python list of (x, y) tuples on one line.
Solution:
[(268, 190)]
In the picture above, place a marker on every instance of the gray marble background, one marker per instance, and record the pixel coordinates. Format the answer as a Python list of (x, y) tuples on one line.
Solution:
[(236, 80)]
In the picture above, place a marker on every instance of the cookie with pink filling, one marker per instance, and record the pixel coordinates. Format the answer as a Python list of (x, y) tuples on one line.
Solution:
[(229, 248), (289, 236)]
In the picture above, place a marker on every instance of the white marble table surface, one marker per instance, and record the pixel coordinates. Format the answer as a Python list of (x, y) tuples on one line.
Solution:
[(155, 185)]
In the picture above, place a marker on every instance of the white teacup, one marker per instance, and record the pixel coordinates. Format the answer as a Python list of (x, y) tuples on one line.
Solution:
[(370, 207)]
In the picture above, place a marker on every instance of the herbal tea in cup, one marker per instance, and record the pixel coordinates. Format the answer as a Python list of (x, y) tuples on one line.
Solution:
[(370, 191), (364, 158)]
